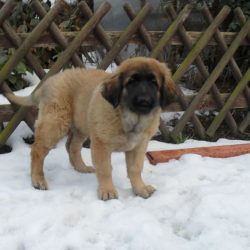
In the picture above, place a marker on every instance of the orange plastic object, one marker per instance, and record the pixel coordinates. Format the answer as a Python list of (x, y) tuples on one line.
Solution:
[(224, 151)]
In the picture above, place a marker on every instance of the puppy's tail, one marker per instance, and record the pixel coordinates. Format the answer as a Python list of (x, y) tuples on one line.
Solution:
[(31, 100), (20, 100)]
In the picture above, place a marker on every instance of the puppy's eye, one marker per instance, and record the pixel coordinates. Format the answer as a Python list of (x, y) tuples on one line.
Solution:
[(154, 81), (151, 78), (130, 81), (133, 79)]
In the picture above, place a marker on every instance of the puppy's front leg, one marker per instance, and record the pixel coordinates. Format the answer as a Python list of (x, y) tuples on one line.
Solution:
[(101, 157), (134, 160)]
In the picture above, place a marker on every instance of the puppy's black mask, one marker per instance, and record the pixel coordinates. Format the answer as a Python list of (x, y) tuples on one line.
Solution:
[(140, 93)]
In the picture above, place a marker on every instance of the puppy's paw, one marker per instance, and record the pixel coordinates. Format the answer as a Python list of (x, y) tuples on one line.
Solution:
[(144, 191), (107, 193), (39, 182), (85, 169)]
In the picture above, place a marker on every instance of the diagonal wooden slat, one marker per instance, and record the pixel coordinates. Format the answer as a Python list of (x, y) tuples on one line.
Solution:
[(142, 31), (245, 123), (62, 60), (99, 32), (32, 61), (239, 88), (123, 39), (14, 39), (165, 39), (201, 43), (56, 33), (6, 9), (212, 78), (241, 18), (77, 41), (29, 41)]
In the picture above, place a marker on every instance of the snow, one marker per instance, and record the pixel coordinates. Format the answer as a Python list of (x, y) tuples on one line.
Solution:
[(200, 202)]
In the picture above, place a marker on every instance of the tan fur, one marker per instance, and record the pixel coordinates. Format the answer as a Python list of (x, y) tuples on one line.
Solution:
[(71, 103)]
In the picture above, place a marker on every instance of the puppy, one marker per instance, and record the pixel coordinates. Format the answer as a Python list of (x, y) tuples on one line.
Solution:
[(118, 111)]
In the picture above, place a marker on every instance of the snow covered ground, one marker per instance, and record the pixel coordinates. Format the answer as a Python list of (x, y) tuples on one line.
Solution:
[(201, 203)]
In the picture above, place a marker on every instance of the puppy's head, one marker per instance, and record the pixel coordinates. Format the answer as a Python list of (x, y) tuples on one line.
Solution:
[(140, 84)]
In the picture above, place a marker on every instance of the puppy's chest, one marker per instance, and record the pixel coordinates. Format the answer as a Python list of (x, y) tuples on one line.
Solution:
[(134, 130), (129, 141)]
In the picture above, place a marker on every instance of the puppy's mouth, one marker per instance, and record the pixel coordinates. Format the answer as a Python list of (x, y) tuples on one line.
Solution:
[(142, 105)]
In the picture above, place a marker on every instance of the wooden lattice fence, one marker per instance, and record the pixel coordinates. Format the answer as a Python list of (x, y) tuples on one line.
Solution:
[(47, 33)]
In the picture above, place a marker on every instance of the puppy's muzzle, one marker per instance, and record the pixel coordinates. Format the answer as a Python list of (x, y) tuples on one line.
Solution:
[(143, 104)]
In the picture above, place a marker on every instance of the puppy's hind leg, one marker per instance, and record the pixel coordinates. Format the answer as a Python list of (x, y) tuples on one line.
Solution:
[(47, 133), (74, 146), (38, 153)]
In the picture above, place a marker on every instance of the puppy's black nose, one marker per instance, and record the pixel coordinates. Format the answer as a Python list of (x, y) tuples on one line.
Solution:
[(142, 104), (143, 101)]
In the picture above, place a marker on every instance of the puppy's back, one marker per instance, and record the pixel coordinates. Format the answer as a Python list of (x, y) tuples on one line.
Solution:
[(67, 84)]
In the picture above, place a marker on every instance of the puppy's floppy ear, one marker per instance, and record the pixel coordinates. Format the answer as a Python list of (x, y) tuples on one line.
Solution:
[(112, 89), (168, 90)]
